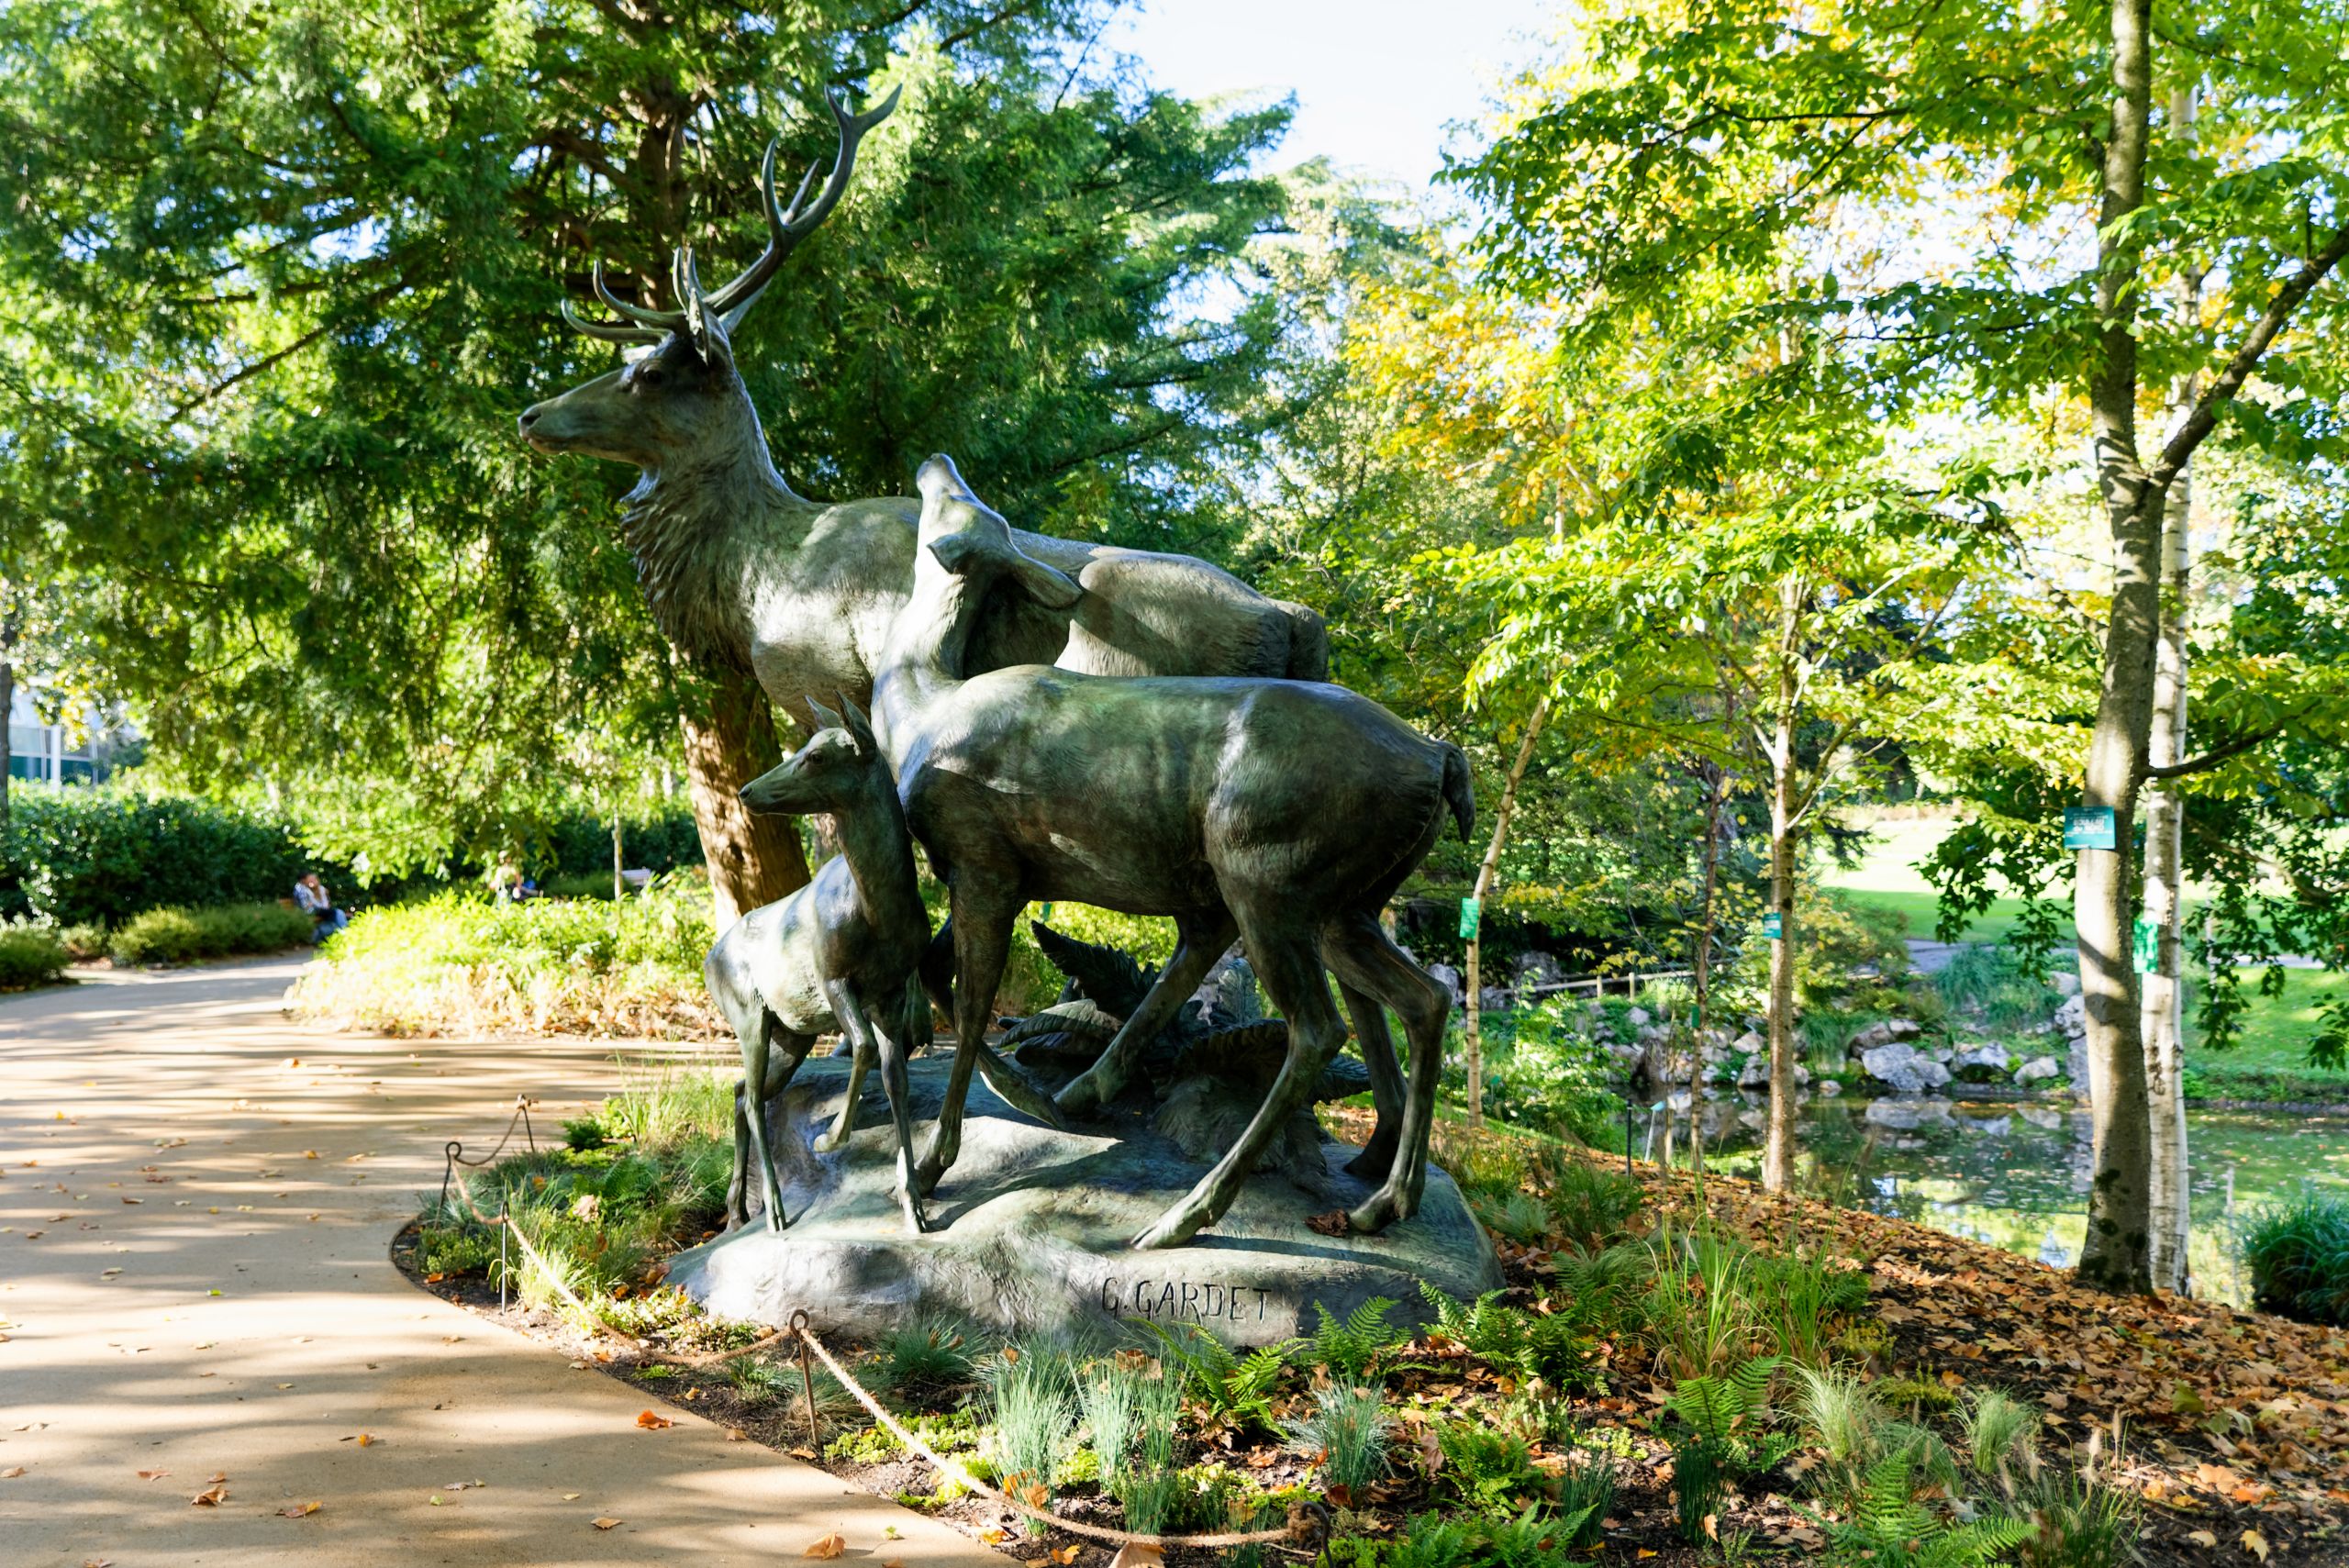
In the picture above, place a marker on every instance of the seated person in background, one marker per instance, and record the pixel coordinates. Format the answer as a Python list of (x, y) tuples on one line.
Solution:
[(505, 878), (311, 897)]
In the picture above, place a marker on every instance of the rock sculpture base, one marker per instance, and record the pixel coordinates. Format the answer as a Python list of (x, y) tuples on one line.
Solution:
[(1032, 1227)]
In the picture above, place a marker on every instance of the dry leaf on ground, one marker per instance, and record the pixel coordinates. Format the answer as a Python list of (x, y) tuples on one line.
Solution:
[(152, 1474), (1064, 1555), (2256, 1543), (212, 1497), (1135, 1554), (12, 1472), (651, 1422), (827, 1546), (605, 1522), (299, 1510)]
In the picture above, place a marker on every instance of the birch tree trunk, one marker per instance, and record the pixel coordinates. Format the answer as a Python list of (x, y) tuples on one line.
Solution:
[(1473, 1023), (2115, 1255), (2162, 1007), (753, 860), (1778, 1146)]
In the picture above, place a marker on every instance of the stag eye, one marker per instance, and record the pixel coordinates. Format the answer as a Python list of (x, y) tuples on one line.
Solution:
[(648, 373)]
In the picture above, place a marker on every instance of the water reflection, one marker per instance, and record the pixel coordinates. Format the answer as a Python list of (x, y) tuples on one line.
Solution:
[(2015, 1174)]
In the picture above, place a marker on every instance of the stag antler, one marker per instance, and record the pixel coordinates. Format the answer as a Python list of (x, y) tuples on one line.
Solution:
[(786, 228)]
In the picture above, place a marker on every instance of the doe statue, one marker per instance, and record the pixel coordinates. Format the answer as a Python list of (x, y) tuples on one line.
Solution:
[(1284, 812), (740, 570)]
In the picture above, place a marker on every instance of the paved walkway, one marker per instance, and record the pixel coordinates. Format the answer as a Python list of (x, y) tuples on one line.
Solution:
[(195, 1280)]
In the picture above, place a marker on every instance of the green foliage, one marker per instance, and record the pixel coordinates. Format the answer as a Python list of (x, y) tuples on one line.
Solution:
[(1891, 1528), (1803, 1302), (2077, 1521), (1131, 1406), (31, 953), (2298, 1257), (1351, 1347), (1990, 981), (1999, 1429), (1557, 1348), (1915, 1393), (1032, 1404), (461, 963), (1519, 1217), (756, 1379), (1586, 1493), (1699, 1307), (1233, 1388), (1547, 1073), (1719, 1433), (1485, 1468), (922, 1359), (73, 856), (664, 1104), (174, 936), (582, 1133), (1343, 1433), (1594, 1207), (1534, 1538)]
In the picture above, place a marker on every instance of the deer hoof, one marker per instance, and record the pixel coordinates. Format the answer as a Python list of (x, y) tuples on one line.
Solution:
[(1381, 1209)]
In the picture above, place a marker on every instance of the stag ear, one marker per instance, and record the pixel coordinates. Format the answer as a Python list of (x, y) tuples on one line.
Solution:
[(704, 326), (824, 717)]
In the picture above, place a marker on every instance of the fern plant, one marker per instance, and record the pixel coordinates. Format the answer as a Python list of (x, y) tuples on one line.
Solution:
[(1351, 1347), (1721, 1431), (1889, 1528), (1556, 1348), (1236, 1390)]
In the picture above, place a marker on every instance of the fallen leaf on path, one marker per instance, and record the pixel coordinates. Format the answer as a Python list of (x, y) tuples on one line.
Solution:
[(211, 1498), (2203, 1537), (993, 1535), (98, 1562), (12, 1472), (152, 1474), (299, 1510), (2256, 1543), (605, 1522), (1134, 1554), (1064, 1555), (653, 1423), (827, 1546), (571, 1497), (736, 1434)]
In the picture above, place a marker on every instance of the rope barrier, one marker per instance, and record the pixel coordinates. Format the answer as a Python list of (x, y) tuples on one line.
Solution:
[(1305, 1521)]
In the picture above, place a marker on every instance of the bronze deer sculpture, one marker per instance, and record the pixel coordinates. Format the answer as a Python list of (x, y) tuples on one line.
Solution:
[(1286, 811), (738, 568)]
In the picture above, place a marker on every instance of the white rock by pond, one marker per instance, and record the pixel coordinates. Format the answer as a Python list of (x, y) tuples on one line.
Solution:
[(2037, 1070), (1748, 1043), (1639, 1017), (1906, 1115), (1448, 977), (1828, 1088), (2072, 1017), (1884, 1031), (1755, 1075), (1902, 1068)]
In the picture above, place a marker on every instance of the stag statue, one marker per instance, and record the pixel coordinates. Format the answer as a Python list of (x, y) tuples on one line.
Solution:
[(1285, 811), (742, 570)]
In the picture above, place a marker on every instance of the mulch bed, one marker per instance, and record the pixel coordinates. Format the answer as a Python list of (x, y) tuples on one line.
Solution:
[(2233, 1425)]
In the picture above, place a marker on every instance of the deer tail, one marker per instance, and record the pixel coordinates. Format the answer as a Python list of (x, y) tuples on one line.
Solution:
[(1459, 790)]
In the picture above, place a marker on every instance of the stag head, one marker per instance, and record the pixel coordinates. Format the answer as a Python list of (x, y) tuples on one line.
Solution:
[(682, 392)]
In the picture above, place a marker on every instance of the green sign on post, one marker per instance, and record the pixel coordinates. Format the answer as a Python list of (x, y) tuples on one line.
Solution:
[(2089, 828), (2145, 945), (1774, 925), (1469, 910)]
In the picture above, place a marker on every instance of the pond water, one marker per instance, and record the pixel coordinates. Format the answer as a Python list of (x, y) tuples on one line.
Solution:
[(2016, 1173)]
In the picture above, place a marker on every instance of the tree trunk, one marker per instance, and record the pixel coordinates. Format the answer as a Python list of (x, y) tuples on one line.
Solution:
[(619, 883), (2161, 1008), (2160, 1012), (2115, 1255), (1472, 1024), (1778, 1147), (1700, 964), (7, 743), (753, 860)]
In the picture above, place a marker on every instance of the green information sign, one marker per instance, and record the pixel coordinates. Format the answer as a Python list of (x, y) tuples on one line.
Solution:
[(2088, 827), (2145, 945), (1774, 925), (1469, 910)]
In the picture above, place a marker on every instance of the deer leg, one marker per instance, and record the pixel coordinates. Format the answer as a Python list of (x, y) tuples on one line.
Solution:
[(1200, 940), (755, 1047), (738, 1196), (937, 977), (1292, 976), (892, 1032), (1386, 1081), (1362, 956), (982, 944), (860, 1047)]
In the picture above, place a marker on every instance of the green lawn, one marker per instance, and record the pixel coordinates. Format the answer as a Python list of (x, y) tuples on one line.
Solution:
[(1888, 878), (2270, 1062)]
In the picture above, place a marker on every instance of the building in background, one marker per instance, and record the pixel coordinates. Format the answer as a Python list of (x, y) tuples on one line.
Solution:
[(83, 749)]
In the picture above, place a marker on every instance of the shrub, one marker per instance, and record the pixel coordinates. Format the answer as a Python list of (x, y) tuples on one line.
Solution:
[(31, 954), (1546, 1073), (1988, 980), (1997, 1426), (1234, 1389), (922, 1357), (73, 856), (1350, 1346), (1131, 1403), (2298, 1257), (462, 964), (1594, 1207), (1032, 1404), (174, 936), (1344, 1433)]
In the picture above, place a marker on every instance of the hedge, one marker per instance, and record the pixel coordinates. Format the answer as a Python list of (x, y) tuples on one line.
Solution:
[(174, 936), (30, 955), (82, 856)]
